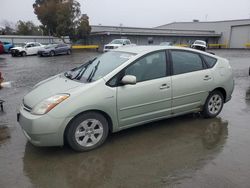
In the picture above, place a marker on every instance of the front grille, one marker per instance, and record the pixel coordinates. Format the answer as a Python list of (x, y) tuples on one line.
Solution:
[(14, 51), (109, 47)]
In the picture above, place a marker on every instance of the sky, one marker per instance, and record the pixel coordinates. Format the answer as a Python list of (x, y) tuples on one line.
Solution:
[(138, 13)]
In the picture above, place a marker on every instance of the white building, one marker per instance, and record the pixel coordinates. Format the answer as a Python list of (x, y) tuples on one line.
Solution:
[(234, 33)]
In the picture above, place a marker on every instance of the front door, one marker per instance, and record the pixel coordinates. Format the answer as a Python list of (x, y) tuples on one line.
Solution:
[(150, 97)]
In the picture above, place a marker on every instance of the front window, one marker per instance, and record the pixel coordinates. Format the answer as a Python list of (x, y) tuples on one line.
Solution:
[(50, 46), (99, 67), (200, 43), (117, 41), (150, 67)]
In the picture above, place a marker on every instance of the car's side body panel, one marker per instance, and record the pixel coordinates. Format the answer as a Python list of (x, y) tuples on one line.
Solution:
[(144, 101)]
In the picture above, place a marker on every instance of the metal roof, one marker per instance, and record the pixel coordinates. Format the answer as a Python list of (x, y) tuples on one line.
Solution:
[(113, 30)]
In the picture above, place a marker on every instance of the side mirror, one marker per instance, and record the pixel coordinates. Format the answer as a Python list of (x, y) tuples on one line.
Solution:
[(128, 80)]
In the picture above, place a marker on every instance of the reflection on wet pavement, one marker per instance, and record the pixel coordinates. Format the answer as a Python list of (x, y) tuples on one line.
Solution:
[(248, 94), (187, 151), (4, 132), (146, 156)]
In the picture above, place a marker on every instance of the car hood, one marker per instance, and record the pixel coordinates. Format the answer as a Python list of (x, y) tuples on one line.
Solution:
[(46, 49), (113, 45), (50, 87), (17, 48)]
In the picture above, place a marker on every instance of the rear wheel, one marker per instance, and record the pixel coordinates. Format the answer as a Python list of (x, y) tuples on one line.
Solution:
[(213, 105), (87, 131)]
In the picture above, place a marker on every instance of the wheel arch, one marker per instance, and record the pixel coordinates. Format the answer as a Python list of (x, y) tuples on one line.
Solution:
[(223, 92), (110, 123)]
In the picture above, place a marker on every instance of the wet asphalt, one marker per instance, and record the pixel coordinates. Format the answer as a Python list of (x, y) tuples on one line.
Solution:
[(186, 151)]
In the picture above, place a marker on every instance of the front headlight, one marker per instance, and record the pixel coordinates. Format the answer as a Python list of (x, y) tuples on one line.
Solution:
[(48, 104)]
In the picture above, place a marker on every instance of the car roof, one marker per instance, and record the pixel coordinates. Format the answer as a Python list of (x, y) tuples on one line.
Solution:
[(147, 49), (200, 41)]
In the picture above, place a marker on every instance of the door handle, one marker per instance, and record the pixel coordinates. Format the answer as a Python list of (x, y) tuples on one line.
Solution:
[(164, 86), (207, 77)]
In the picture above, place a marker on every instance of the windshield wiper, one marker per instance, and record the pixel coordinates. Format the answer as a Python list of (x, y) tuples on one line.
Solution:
[(83, 69), (92, 74)]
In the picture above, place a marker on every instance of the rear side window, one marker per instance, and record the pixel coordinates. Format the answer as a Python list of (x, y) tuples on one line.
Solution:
[(184, 62), (209, 60)]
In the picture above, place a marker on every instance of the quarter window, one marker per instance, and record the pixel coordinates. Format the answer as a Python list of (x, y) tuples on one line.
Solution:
[(150, 67), (209, 60), (184, 62)]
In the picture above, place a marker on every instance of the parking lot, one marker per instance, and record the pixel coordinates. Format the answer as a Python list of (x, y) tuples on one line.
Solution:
[(186, 151)]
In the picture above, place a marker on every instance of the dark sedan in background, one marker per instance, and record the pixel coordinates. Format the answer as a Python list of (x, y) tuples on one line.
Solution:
[(55, 49)]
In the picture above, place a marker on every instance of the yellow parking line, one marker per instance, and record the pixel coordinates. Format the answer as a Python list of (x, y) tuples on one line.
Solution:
[(85, 46)]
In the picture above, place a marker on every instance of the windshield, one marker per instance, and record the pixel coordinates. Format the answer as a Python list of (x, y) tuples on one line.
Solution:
[(200, 43), (117, 41), (98, 67), (50, 46)]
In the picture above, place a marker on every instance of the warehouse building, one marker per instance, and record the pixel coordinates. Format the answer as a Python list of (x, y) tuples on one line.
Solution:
[(143, 36), (227, 34), (234, 33)]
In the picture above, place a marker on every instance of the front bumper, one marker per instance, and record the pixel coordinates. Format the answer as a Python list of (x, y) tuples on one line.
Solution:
[(42, 130), (43, 53), (15, 52)]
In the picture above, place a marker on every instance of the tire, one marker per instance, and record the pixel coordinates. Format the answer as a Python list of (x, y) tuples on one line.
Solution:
[(52, 53), (13, 55), (68, 52), (92, 129), (213, 105), (23, 54)]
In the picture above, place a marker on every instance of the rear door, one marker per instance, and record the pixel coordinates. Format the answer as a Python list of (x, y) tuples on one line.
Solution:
[(150, 97), (191, 81)]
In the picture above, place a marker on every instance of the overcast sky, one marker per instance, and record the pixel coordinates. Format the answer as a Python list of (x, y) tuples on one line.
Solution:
[(138, 13)]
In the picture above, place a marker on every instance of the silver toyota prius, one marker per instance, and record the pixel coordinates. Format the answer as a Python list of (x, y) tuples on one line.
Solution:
[(124, 88)]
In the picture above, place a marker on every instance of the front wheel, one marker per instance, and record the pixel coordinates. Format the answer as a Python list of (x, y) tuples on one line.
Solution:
[(213, 105), (52, 53), (23, 54), (87, 131), (68, 52)]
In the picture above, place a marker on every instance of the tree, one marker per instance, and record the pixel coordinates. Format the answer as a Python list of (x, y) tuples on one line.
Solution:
[(27, 28), (58, 17), (83, 28), (8, 28)]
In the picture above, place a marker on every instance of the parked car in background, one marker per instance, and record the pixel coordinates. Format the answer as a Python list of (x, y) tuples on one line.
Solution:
[(166, 44), (7, 46), (124, 88), (116, 43), (55, 49), (1, 49), (30, 48), (199, 45)]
